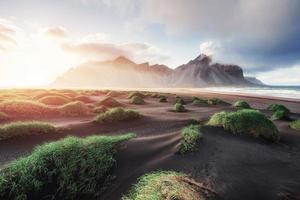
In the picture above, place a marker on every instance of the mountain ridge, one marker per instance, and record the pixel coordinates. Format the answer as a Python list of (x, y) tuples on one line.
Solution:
[(123, 72)]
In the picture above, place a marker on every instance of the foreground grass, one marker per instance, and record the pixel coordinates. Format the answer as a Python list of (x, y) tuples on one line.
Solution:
[(25, 128), (246, 121), (117, 114), (169, 185), (190, 136), (72, 168), (280, 112), (295, 124), (242, 104)]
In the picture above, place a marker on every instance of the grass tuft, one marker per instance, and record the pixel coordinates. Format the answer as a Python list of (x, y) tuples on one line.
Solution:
[(216, 101), (178, 107), (277, 107), (200, 102), (246, 121), (25, 108), (25, 128), (242, 104), (137, 100), (54, 100), (190, 136), (295, 124), (179, 100), (117, 114), (109, 102), (163, 99), (164, 185), (73, 109), (280, 115), (72, 168), (133, 94)]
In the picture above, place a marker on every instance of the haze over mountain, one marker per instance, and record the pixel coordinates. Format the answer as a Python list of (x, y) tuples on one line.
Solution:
[(123, 72)]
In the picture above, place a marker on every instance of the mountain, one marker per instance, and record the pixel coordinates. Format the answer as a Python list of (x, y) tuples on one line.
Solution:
[(254, 80), (203, 72), (123, 72)]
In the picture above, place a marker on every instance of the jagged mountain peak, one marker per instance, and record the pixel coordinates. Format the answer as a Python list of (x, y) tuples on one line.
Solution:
[(123, 60)]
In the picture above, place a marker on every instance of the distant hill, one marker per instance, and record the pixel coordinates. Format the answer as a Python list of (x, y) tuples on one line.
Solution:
[(123, 72)]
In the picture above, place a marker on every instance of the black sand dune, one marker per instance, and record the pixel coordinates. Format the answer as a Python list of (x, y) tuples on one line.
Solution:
[(237, 167)]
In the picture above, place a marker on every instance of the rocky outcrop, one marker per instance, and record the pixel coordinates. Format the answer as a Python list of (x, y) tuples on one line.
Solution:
[(123, 72)]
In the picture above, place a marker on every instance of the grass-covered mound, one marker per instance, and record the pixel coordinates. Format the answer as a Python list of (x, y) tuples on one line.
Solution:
[(72, 168), (199, 102), (109, 102), (277, 107), (83, 98), (42, 94), (242, 105), (54, 100), (114, 93), (25, 128), (246, 121), (280, 115), (133, 94), (25, 108), (3, 116), (117, 114), (179, 100), (167, 185), (217, 101), (163, 99), (74, 109), (190, 136), (178, 107), (100, 109), (137, 100), (295, 124)]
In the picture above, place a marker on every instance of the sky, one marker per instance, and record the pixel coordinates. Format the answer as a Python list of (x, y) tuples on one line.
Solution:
[(41, 39)]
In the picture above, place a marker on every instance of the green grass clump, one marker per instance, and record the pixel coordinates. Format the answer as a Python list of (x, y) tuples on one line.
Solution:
[(25, 128), (109, 102), (277, 107), (117, 114), (280, 115), (163, 99), (216, 101), (25, 108), (180, 100), (246, 121), (167, 185), (74, 109), (137, 100), (178, 107), (132, 94), (72, 168), (200, 102), (242, 104), (190, 136), (295, 124), (54, 100), (3, 116)]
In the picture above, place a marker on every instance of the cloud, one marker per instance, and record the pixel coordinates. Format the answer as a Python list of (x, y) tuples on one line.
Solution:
[(262, 33), (139, 52), (7, 34), (57, 32)]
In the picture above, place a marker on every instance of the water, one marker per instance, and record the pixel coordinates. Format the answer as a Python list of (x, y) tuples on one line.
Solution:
[(273, 91)]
